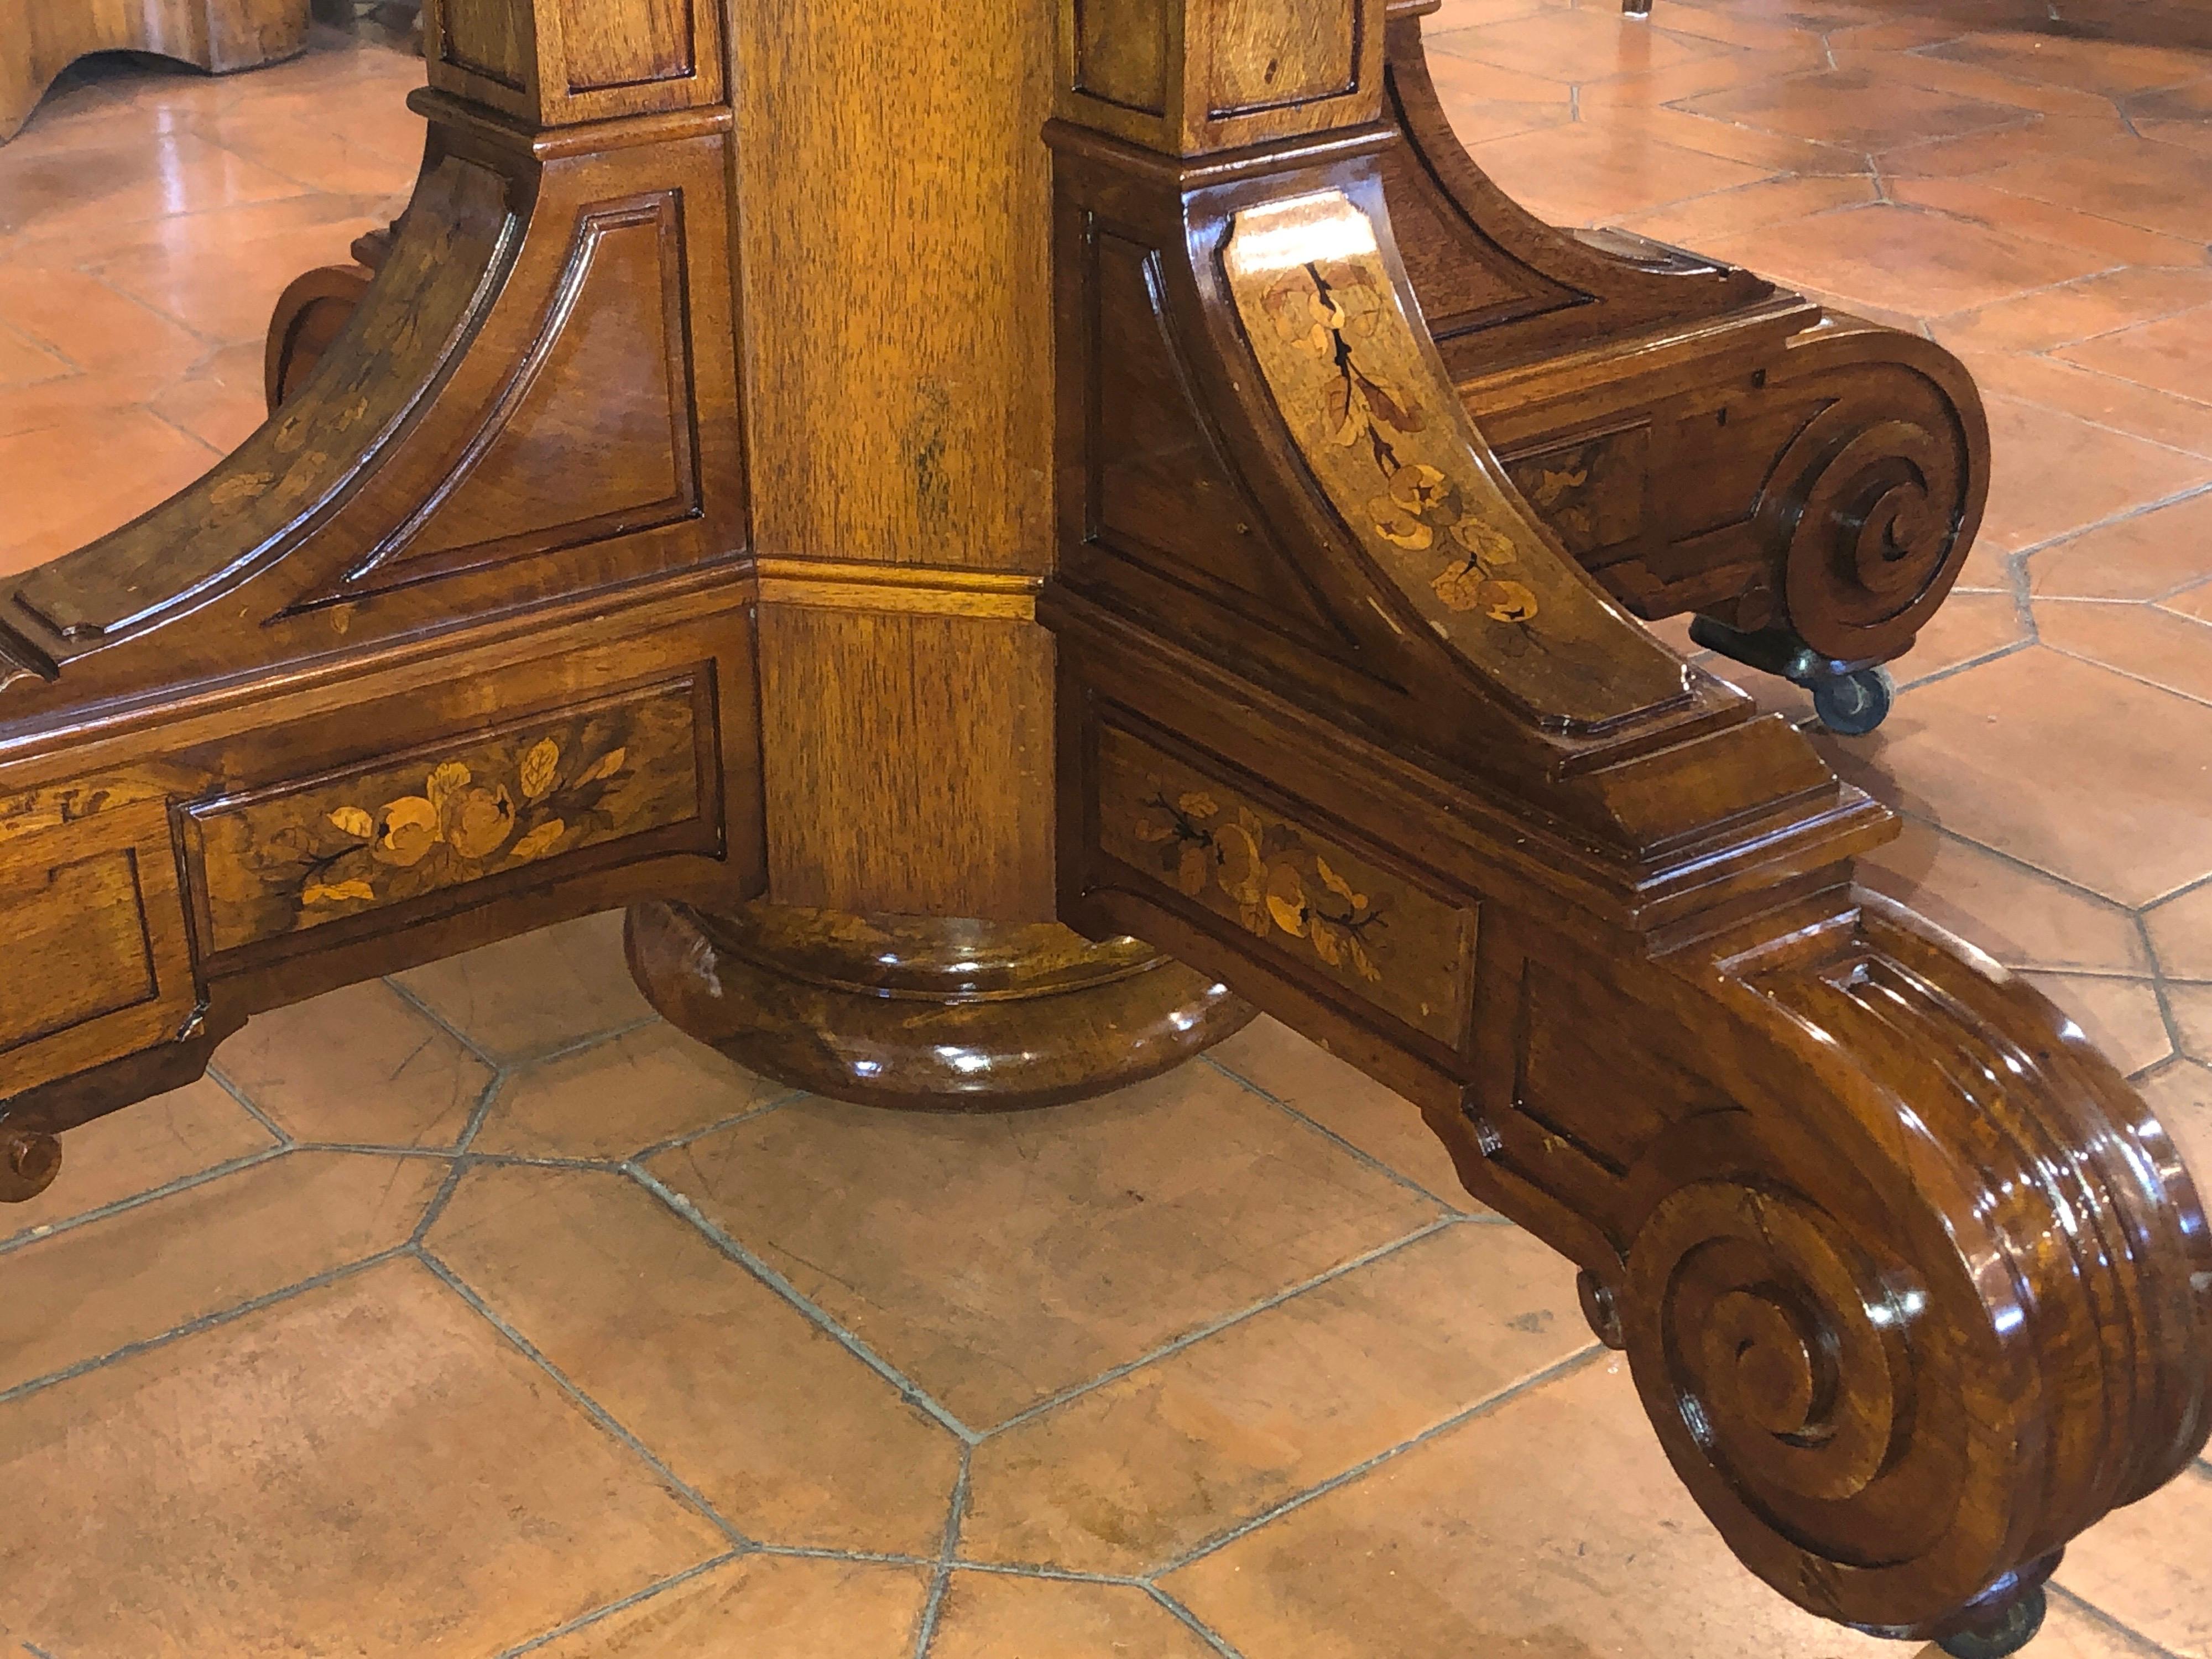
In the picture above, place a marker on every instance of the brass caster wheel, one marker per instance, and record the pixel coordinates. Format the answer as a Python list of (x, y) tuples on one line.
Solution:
[(2014, 1630)]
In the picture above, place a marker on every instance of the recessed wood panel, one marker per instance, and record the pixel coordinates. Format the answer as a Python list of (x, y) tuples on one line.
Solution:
[(300, 855), (1122, 51), (97, 963), (488, 38), (1268, 53), (1308, 896), (77, 936), (623, 45), (592, 436)]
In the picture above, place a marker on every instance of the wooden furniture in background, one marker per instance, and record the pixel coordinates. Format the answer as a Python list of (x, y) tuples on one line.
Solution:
[(40, 38), (873, 540)]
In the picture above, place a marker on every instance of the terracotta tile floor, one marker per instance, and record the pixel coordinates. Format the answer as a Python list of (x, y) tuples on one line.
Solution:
[(474, 1314)]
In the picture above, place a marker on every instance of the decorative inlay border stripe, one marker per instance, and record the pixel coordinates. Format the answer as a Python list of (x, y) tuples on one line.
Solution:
[(932, 590)]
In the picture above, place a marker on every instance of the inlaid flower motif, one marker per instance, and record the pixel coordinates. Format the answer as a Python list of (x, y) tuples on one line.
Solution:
[(406, 830), (1421, 502), (1506, 601), (541, 769), (1316, 305), (1263, 870), (1243, 872), (477, 822), (452, 832), (1287, 900), (538, 842)]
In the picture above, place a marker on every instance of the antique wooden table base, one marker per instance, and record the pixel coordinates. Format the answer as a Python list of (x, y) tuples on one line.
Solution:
[(768, 484)]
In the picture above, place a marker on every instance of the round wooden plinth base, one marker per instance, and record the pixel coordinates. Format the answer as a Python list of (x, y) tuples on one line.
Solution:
[(925, 1013)]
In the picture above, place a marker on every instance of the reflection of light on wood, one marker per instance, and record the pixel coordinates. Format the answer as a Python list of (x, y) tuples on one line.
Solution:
[(1283, 235)]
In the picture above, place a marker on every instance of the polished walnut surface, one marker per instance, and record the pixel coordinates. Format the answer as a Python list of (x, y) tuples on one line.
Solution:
[(973, 1610)]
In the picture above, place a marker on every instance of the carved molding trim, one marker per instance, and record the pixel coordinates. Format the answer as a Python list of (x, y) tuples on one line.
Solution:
[(531, 398)]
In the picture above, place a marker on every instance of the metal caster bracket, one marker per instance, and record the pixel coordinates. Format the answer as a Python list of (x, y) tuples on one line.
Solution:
[(1851, 698)]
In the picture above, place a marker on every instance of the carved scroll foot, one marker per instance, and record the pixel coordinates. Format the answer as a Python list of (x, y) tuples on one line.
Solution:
[(925, 1013), (1912, 1286), (1699, 439)]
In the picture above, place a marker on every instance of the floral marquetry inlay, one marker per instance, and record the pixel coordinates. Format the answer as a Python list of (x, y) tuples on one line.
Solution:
[(1394, 943), (305, 854), (1383, 432)]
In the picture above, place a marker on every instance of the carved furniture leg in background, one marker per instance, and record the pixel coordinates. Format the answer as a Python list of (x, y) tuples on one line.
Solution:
[(1912, 1284), (40, 38)]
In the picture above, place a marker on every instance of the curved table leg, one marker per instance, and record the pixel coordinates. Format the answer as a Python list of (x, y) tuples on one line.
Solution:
[(459, 644), (1697, 439), (1913, 1287)]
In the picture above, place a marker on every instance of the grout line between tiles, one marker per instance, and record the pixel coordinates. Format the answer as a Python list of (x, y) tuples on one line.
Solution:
[(912, 1391), (1191, 1621), (1215, 1327), (585, 1620), (1044, 1571), (2096, 1614), (392, 982), (676, 1143), (599, 1414), (570, 1050), (139, 1200), (1574, 1362), (221, 1080), (1359, 1154), (205, 1323), (955, 1514), (821, 1553), (2127, 674)]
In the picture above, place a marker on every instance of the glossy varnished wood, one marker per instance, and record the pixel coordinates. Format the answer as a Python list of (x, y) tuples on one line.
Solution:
[(926, 1014), (1354, 736), (1700, 440), (764, 483)]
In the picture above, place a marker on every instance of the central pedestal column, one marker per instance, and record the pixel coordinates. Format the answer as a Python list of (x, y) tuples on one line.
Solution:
[(906, 952)]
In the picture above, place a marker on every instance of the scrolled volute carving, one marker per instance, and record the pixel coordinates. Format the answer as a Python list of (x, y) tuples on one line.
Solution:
[(1880, 499), (1904, 1341)]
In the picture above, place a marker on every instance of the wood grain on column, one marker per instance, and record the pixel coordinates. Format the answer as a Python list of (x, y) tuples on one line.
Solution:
[(908, 757), (893, 212), (892, 240)]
